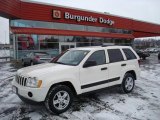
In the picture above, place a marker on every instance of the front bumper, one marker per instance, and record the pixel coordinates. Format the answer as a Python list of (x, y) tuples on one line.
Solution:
[(38, 94)]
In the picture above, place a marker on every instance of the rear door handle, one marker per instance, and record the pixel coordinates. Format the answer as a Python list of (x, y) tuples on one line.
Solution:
[(105, 68), (123, 64)]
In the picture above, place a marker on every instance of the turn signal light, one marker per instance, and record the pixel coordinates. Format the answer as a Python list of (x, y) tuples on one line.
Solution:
[(39, 83)]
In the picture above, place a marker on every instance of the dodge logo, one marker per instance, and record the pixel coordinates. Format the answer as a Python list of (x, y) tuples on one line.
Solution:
[(56, 14)]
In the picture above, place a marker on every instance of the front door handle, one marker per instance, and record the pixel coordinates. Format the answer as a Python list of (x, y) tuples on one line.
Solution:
[(123, 64), (105, 68)]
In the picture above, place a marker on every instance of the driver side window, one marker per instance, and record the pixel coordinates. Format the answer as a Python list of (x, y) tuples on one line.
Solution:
[(99, 57)]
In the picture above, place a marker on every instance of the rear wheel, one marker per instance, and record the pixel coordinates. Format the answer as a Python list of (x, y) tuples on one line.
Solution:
[(59, 99), (128, 83)]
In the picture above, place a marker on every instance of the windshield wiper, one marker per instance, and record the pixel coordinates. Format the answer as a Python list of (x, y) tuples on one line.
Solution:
[(61, 63)]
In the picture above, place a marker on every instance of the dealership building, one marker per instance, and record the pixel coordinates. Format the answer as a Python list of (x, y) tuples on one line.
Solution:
[(36, 26)]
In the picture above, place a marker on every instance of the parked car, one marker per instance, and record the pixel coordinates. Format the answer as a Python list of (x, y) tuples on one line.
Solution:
[(35, 58), (142, 54), (159, 56), (152, 50), (77, 71)]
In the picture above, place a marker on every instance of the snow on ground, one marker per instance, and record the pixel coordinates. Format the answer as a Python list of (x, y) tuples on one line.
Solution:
[(142, 104), (4, 53)]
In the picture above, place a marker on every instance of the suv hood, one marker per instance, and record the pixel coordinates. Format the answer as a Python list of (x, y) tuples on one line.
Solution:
[(41, 69)]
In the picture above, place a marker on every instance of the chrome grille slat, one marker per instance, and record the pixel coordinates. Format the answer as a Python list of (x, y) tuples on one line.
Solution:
[(21, 80), (25, 80), (18, 78)]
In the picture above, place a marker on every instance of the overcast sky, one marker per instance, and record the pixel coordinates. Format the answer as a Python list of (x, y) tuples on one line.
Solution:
[(146, 10)]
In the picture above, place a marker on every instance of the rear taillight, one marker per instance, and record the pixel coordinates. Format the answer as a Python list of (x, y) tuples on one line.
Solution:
[(37, 57)]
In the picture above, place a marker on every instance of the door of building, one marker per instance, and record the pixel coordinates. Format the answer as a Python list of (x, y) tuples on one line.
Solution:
[(63, 46)]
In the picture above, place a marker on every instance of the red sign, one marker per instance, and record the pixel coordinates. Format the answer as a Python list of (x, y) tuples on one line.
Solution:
[(56, 14)]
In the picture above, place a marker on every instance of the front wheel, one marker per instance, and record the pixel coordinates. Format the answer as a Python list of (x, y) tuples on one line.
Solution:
[(128, 83), (59, 99)]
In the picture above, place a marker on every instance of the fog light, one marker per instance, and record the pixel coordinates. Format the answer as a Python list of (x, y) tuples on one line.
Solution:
[(30, 94)]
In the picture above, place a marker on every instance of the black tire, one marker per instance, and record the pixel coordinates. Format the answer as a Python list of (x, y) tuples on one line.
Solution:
[(158, 57), (23, 63), (124, 88), (53, 94)]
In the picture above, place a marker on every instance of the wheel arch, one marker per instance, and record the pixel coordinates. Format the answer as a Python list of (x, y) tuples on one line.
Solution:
[(133, 73), (66, 83)]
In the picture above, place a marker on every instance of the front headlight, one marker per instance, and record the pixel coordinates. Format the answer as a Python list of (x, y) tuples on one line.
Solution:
[(33, 82)]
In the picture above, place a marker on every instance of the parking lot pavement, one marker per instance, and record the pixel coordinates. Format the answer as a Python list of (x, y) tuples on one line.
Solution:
[(142, 104)]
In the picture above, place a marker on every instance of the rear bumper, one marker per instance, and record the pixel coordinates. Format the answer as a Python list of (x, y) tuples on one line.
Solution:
[(38, 94)]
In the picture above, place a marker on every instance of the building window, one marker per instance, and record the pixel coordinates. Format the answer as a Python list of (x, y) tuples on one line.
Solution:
[(64, 26), (51, 44)]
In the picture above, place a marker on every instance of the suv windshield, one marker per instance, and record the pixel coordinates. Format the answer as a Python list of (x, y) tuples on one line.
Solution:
[(72, 57)]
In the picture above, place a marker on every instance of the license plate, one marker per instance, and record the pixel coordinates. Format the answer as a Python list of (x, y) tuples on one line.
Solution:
[(15, 89)]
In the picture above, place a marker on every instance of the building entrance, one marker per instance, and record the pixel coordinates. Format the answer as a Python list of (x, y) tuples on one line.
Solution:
[(66, 45)]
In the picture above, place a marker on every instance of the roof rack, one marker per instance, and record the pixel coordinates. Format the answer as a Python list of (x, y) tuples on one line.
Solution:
[(108, 45), (112, 45)]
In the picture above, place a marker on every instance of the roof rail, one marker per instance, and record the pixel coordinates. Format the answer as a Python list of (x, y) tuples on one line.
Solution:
[(107, 45), (112, 45)]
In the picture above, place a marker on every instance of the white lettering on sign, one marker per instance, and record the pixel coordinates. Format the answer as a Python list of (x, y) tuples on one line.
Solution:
[(106, 21), (80, 18)]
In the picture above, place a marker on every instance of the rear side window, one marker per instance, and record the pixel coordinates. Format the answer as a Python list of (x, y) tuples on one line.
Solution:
[(115, 55), (129, 54), (99, 57)]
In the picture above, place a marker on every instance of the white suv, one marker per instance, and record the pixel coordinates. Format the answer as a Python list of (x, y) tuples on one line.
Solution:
[(77, 71)]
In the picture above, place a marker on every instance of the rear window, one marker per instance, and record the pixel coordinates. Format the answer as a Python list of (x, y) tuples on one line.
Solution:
[(115, 55), (129, 54)]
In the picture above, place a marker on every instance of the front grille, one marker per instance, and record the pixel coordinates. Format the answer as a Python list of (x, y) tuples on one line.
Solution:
[(21, 80)]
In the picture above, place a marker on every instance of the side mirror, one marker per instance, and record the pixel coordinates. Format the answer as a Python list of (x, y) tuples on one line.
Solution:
[(89, 64)]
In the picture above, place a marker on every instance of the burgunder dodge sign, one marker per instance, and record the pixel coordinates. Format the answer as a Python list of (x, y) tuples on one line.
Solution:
[(79, 18)]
